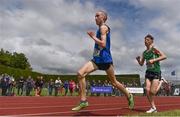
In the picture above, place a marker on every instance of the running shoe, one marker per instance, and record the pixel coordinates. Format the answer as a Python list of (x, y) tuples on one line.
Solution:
[(131, 102), (151, 110), (80, 106)]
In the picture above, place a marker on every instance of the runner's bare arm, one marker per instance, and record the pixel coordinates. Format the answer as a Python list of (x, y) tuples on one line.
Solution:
[(161, 57), (101, 42)]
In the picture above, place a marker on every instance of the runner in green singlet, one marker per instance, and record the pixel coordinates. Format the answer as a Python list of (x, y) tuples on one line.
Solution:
[(152, 56)]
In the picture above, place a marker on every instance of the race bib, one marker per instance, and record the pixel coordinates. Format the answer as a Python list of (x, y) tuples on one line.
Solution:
[(150, 66), (96, 52)]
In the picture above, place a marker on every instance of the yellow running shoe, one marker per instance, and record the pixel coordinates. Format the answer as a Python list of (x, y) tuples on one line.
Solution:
[(80, 106), (131, 102)]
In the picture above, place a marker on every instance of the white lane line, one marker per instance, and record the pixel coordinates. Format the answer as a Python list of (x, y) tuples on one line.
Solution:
[(92, 110), (33, 107), (68, 112)]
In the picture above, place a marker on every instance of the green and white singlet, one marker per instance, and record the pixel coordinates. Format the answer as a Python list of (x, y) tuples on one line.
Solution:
[(152, 54)]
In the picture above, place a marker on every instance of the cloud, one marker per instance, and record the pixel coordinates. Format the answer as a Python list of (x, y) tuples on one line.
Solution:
[(166, 25), (52, 34)]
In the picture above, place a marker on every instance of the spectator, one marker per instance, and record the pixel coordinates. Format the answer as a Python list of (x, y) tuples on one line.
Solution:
[(41, 83), (38, 85), (172, 88), (12, 86), (99, 84), (93, 84), (105, 85), (77, 88), (167, 88), (61, 88), (88, 87), (58, 83), (66, 86), (0, 84), (29, 86), (109, 84), (71, 87), (20, 86), (4, 85), (50, 87)]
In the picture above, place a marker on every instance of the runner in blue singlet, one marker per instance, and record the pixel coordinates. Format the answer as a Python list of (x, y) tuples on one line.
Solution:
[(102, 60)]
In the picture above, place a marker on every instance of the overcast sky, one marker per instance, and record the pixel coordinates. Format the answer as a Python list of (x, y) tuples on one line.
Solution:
[(52, 33)]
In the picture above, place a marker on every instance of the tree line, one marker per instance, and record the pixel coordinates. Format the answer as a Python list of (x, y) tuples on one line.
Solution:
[(15, 60)]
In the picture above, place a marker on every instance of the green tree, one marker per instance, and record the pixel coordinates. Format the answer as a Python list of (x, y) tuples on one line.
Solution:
[(16, 60), (5, 57), (20, 61)]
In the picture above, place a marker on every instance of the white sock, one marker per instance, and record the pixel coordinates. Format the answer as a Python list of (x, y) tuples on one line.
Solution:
[(154, 107)]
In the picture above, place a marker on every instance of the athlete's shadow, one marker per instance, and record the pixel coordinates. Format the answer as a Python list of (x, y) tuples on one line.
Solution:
[(85, 113), (139, 110), (88, 113)]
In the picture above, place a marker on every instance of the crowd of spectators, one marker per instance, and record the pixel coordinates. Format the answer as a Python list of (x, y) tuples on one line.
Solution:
[(56, 87), (35, 87)]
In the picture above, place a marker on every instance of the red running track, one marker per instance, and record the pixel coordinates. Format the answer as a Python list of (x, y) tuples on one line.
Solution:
[(98, 106)]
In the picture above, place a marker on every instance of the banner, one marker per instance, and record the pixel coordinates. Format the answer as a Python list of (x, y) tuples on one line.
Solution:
[(105, 89), (135, 90), (176, 91)]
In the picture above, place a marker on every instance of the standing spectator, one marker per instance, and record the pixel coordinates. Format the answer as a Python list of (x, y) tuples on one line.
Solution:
[(74, 86), (77, 88), (20, 86), (99, 84), (167, 88), (93, 84), (13, 86), (41, 84), (109, 85), (172, 88), (50, 87), (71, 87), (4, 85), (8, 80), (144, 89), (38, 85), (10, 85), (66, 87), (57, 85), (105, 85), (61, 88), (29, 86), (0, 84), (88, 87)]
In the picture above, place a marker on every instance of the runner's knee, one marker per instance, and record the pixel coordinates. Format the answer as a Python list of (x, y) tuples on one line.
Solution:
[(153, 92)]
